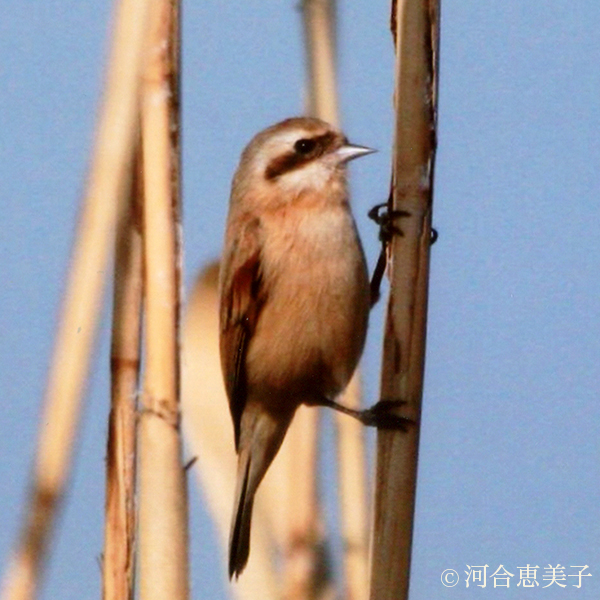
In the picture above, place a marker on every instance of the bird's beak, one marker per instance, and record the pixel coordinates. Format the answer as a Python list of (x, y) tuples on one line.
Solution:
[(350, 151)]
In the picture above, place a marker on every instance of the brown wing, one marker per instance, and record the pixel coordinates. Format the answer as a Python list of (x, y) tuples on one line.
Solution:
[(242, 297)]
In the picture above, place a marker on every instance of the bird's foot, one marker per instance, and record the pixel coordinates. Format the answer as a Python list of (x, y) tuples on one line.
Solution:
[(380, 415), (383, 416), (385, 220), (384, 217)]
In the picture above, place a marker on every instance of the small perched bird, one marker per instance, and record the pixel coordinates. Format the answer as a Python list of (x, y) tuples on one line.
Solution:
[(294, 295)]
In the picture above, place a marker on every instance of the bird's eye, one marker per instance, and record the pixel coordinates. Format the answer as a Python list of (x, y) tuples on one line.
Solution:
[(305, 146)]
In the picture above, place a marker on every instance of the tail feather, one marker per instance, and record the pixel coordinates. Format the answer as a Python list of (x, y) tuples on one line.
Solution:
[(239, 541), (261, 437)]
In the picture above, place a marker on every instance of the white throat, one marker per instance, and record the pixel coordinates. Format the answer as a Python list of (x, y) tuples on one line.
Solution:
[(312, 177)]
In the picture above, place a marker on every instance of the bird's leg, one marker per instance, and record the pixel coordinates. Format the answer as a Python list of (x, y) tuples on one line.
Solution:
[(375, 285), (380, 415), (387, 229)]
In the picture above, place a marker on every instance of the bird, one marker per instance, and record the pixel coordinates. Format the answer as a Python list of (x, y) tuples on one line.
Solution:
[(294, 296)]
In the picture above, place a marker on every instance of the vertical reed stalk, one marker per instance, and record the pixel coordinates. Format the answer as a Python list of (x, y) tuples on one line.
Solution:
[(304, 569), (415, 27), (301, 550), (163, 535), (353, 497), (320, 29), (106, 188), (119, 531), (319, 33), (307, 567)]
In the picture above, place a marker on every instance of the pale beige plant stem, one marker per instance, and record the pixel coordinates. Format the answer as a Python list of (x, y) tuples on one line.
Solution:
[(320, 28), (303, 531), (304, 571), (163, 534), (353, 486), (319, 33), (415, 27), (107, 185), (119, 530)]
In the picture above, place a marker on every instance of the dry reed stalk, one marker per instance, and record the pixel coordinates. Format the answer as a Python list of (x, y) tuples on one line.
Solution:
[(320, 28), (353, 497), (163, 535), (209, 435), (301, 551), (304, 567), (319, 34), (415, 25), (119, 532), (106, 188)]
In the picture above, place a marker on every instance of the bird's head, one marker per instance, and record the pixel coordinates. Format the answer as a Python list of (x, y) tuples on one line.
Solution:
[(298, 155)]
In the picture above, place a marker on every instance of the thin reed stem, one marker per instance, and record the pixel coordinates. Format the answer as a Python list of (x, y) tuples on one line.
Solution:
[(415, 28), (163, 534), (119, 531), (353, 496), (303, 541), (305, 568), (319, 33)]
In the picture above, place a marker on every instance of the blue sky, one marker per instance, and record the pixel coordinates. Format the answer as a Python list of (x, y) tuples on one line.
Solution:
[(509, 447)]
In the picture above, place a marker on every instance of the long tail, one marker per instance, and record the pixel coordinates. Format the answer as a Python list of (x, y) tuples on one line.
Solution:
[(239, 539), (261, 437)]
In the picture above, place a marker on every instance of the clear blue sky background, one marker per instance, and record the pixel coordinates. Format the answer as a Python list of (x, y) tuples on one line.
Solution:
[(510, 447)]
